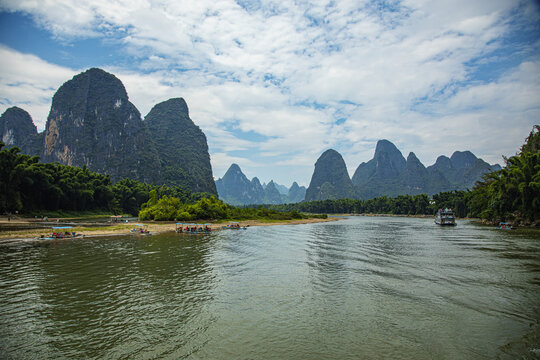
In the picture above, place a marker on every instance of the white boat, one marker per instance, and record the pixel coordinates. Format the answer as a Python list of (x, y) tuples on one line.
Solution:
[(445, 217)]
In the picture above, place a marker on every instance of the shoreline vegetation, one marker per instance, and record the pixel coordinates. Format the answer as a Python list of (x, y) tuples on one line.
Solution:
[(31, 188), (89, 229)]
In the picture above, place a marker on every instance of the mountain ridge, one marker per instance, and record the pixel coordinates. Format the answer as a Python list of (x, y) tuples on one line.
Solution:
[(388, 173), (92, 123), (234, 188)]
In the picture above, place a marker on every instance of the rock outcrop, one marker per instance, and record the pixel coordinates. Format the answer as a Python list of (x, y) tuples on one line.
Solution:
[(296, 193), (235, 188), (18, 129), (389, 174), (181, 147), (330, 178), (92, 123)]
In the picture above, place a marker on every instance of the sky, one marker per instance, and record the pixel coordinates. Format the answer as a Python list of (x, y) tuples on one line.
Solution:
[(273, 84)]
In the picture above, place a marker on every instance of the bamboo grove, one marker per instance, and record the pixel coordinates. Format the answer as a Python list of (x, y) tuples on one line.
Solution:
[(29, 187)]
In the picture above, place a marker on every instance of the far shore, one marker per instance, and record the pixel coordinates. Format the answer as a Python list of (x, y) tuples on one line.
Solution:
[(104, 229)]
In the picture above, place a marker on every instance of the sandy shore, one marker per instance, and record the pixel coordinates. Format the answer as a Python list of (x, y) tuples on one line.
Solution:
[(122, 228)]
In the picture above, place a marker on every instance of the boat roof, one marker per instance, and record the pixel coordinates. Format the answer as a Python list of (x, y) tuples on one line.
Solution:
[(140, 224), (62, 227)]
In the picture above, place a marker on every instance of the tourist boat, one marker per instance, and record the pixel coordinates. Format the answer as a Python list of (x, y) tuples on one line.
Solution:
[(141, 229), (115, 219), (233, 225), (182, 228), (445, 217), (505, 226), (59, 232)]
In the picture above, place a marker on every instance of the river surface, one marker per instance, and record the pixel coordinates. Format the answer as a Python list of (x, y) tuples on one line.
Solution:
[(358, 288)]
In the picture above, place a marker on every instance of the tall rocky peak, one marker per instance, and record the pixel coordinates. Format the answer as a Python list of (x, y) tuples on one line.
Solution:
[(235, 188), (330, 178), (388, 173), (181, 146), (92, 123), (387, 163), (16, 127), (235, 175), (389, 160), (414, 177), (463, 159), (271, 194), (296, 193), (443, 163), (413, 163)]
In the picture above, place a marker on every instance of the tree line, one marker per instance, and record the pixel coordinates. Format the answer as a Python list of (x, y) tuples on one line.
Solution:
[(509, 194), (399, 205), (29, 186), (26, 185), (210, 208)]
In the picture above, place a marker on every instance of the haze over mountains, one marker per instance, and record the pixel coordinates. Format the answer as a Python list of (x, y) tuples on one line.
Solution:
[(236, 189)]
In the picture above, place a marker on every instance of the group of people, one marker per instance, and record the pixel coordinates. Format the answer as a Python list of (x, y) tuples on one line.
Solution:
[(60, 235), (193, 229)]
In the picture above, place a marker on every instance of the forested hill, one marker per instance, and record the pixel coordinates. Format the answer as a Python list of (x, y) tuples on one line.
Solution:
[(29, 186), (236, 189), (510, 194), (92, 123), (330, 178), (390, 174), (181, 146)]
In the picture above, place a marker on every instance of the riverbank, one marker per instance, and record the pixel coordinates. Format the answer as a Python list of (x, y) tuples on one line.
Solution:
[(10, 231)]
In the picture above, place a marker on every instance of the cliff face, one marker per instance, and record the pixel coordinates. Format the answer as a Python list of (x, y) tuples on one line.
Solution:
[(235, 188), (18, 129), (181, 147), (271, 194), (461, 170), (388, 173), (296, 193), (330, 178), (92, 123), (387, 163)]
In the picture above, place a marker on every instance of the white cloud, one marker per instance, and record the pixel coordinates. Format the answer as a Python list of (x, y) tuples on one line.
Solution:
[(289, 70), (30, 83)]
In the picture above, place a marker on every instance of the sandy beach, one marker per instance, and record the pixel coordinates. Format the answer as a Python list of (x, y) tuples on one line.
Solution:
[(102, 229)]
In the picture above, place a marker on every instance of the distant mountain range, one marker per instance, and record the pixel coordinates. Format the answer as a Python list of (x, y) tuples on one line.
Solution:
[(236, 189), (390, 174), (92, 123), (387, 174)]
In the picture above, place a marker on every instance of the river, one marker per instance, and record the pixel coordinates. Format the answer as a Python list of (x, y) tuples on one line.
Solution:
[(361, 287)]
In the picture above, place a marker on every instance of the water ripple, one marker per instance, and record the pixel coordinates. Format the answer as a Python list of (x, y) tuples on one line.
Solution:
[(361, 287)]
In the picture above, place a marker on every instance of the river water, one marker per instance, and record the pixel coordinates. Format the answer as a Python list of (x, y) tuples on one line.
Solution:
[(362, 287)]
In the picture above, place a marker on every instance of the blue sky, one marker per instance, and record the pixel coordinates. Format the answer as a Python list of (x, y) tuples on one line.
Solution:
[(273, 84)]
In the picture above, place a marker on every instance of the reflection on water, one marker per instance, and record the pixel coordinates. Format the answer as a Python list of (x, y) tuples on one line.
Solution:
[(359, 288)]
